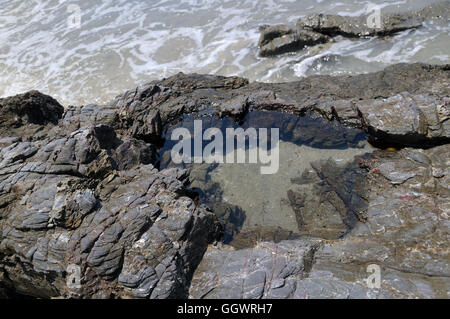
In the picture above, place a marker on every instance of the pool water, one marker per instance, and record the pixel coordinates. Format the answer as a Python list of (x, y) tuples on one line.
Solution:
[(290, 203)]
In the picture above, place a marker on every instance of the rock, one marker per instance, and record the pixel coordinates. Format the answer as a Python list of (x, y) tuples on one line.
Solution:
[(407, 119), (252, 236), (32, 107), (236, 107), (28, 113), (276, 40), (267, 271), (90, 198), (320, 28), (144, 115), (80, 193), (230, 216), (133, 152), (68, 211), (143, 112), (333, 25), (268, 33), (103, 230)]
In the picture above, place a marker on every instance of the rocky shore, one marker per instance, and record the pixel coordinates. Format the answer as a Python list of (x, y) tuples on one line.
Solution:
[(81, 186), (322, 28)]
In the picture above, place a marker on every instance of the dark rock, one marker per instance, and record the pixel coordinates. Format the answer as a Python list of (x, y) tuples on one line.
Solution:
[(329, 200), (85, 192), (282, 39), (32, 107), (320, 28), (237, 107), (333, 25)]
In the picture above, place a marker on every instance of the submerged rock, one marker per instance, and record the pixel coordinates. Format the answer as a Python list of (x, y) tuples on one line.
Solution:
[(282, 39), (320, 28)]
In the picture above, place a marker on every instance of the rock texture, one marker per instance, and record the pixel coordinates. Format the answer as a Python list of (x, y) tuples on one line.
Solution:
[(401, 104), (320, 28), (358, 101), (80, 187), (79, 194), (417, 118), (281, 39)]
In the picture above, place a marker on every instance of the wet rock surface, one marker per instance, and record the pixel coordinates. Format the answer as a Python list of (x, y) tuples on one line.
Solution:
[(282, 39), (330, 199), (320, 28), (81, 187)]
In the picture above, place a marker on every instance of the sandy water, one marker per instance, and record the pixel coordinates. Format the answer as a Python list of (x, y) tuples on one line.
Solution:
[(264, 197)]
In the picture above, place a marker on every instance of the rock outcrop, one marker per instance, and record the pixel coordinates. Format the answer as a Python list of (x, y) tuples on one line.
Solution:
[(419, 94), (281, 39), (80, 193), (320, 28)]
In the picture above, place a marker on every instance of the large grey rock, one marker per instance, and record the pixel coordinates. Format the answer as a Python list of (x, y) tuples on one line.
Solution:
[(80, 189), (29, 114), (320, 28), (282, 39), (333, 25), (135, 214), (90, 198)]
